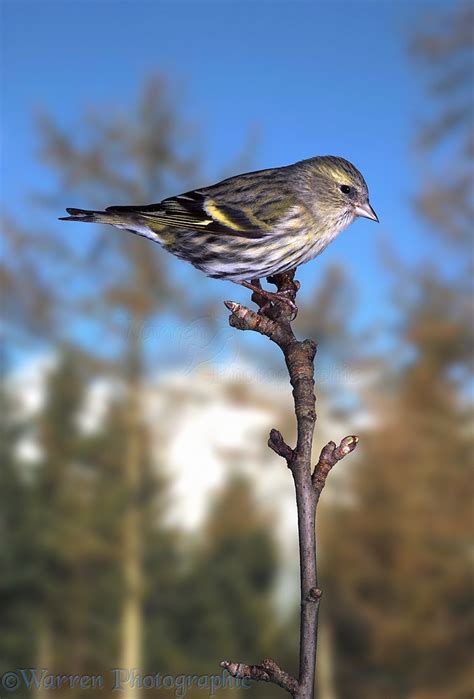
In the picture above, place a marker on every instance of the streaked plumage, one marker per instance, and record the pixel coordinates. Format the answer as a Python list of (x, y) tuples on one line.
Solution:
[(252, 225)]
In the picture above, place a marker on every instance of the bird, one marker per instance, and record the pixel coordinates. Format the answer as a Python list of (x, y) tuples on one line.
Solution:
[(253, 225)]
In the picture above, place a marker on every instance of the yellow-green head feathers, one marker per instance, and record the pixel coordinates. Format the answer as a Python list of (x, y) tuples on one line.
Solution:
[(334, 189)]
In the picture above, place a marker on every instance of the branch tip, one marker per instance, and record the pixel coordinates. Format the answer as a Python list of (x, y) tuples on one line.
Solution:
[(267, 671), (242, 671), (231, 305), (280, 447), (330, 455), (347, 445)]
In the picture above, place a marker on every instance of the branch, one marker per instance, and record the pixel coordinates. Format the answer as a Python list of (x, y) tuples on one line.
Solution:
[(330, 455), (268, 671), (280, 447), (274, 321)]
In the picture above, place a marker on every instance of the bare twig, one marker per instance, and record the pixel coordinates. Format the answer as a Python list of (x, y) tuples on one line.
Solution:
[(268, 671), (330, 455), (280, 447), (274, 321)]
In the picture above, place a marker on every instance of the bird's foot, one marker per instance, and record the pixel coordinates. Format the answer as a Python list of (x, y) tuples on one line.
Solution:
[(268, 301)]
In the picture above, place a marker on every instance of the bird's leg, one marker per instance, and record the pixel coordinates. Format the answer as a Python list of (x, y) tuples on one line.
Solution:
[(259, 295), (287, 287), (264, 298)]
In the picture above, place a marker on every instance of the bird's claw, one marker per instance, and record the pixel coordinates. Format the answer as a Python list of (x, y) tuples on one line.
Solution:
[(274, 298), (286, 297), (264, 299)]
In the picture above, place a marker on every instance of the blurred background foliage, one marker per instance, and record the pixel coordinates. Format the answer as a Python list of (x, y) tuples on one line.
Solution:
[(96, 572)]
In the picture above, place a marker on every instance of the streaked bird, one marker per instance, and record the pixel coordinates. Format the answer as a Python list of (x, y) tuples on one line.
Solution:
[(253, 225)]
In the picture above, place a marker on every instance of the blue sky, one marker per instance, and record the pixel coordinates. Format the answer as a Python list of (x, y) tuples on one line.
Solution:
[(312, 77)]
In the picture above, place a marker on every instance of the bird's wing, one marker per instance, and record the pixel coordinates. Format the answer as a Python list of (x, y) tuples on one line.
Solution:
[(199, 210)]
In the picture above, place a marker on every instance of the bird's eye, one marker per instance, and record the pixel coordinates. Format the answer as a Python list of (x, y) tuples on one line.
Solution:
[(345, 189)]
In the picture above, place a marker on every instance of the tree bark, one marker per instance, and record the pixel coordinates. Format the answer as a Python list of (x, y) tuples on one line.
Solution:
[(274, 321)]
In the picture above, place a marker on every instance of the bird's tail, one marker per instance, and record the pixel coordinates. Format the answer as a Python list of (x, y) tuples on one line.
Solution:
[(128, 218), (87, 216)]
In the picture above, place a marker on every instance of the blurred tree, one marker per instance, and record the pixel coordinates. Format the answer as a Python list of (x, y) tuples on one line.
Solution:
[(18, 580), (30, 301), (98, 501), (120, 159), (400, 580), (225, 604), (118, 504), (121, 280), (72, 585), (60, 511), (398, 555), (445, 143)]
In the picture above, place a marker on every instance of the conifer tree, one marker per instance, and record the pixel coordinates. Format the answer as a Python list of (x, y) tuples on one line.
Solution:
[(400, 576), (227, 593)]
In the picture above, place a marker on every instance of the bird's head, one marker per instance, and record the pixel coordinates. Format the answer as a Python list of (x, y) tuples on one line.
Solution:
[(337, 190)]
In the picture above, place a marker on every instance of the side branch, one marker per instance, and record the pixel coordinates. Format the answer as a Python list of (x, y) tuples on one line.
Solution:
[(280, 447), (243, 318), (330, 455), (268, 671)]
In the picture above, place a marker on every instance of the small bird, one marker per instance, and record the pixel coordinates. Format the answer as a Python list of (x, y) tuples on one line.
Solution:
[(253, 225)]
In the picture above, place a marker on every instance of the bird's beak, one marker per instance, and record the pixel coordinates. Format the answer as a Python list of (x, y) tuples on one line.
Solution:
[(366, 211)]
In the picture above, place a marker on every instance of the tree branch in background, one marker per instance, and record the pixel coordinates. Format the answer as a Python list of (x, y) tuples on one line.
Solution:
[(274, 321)]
